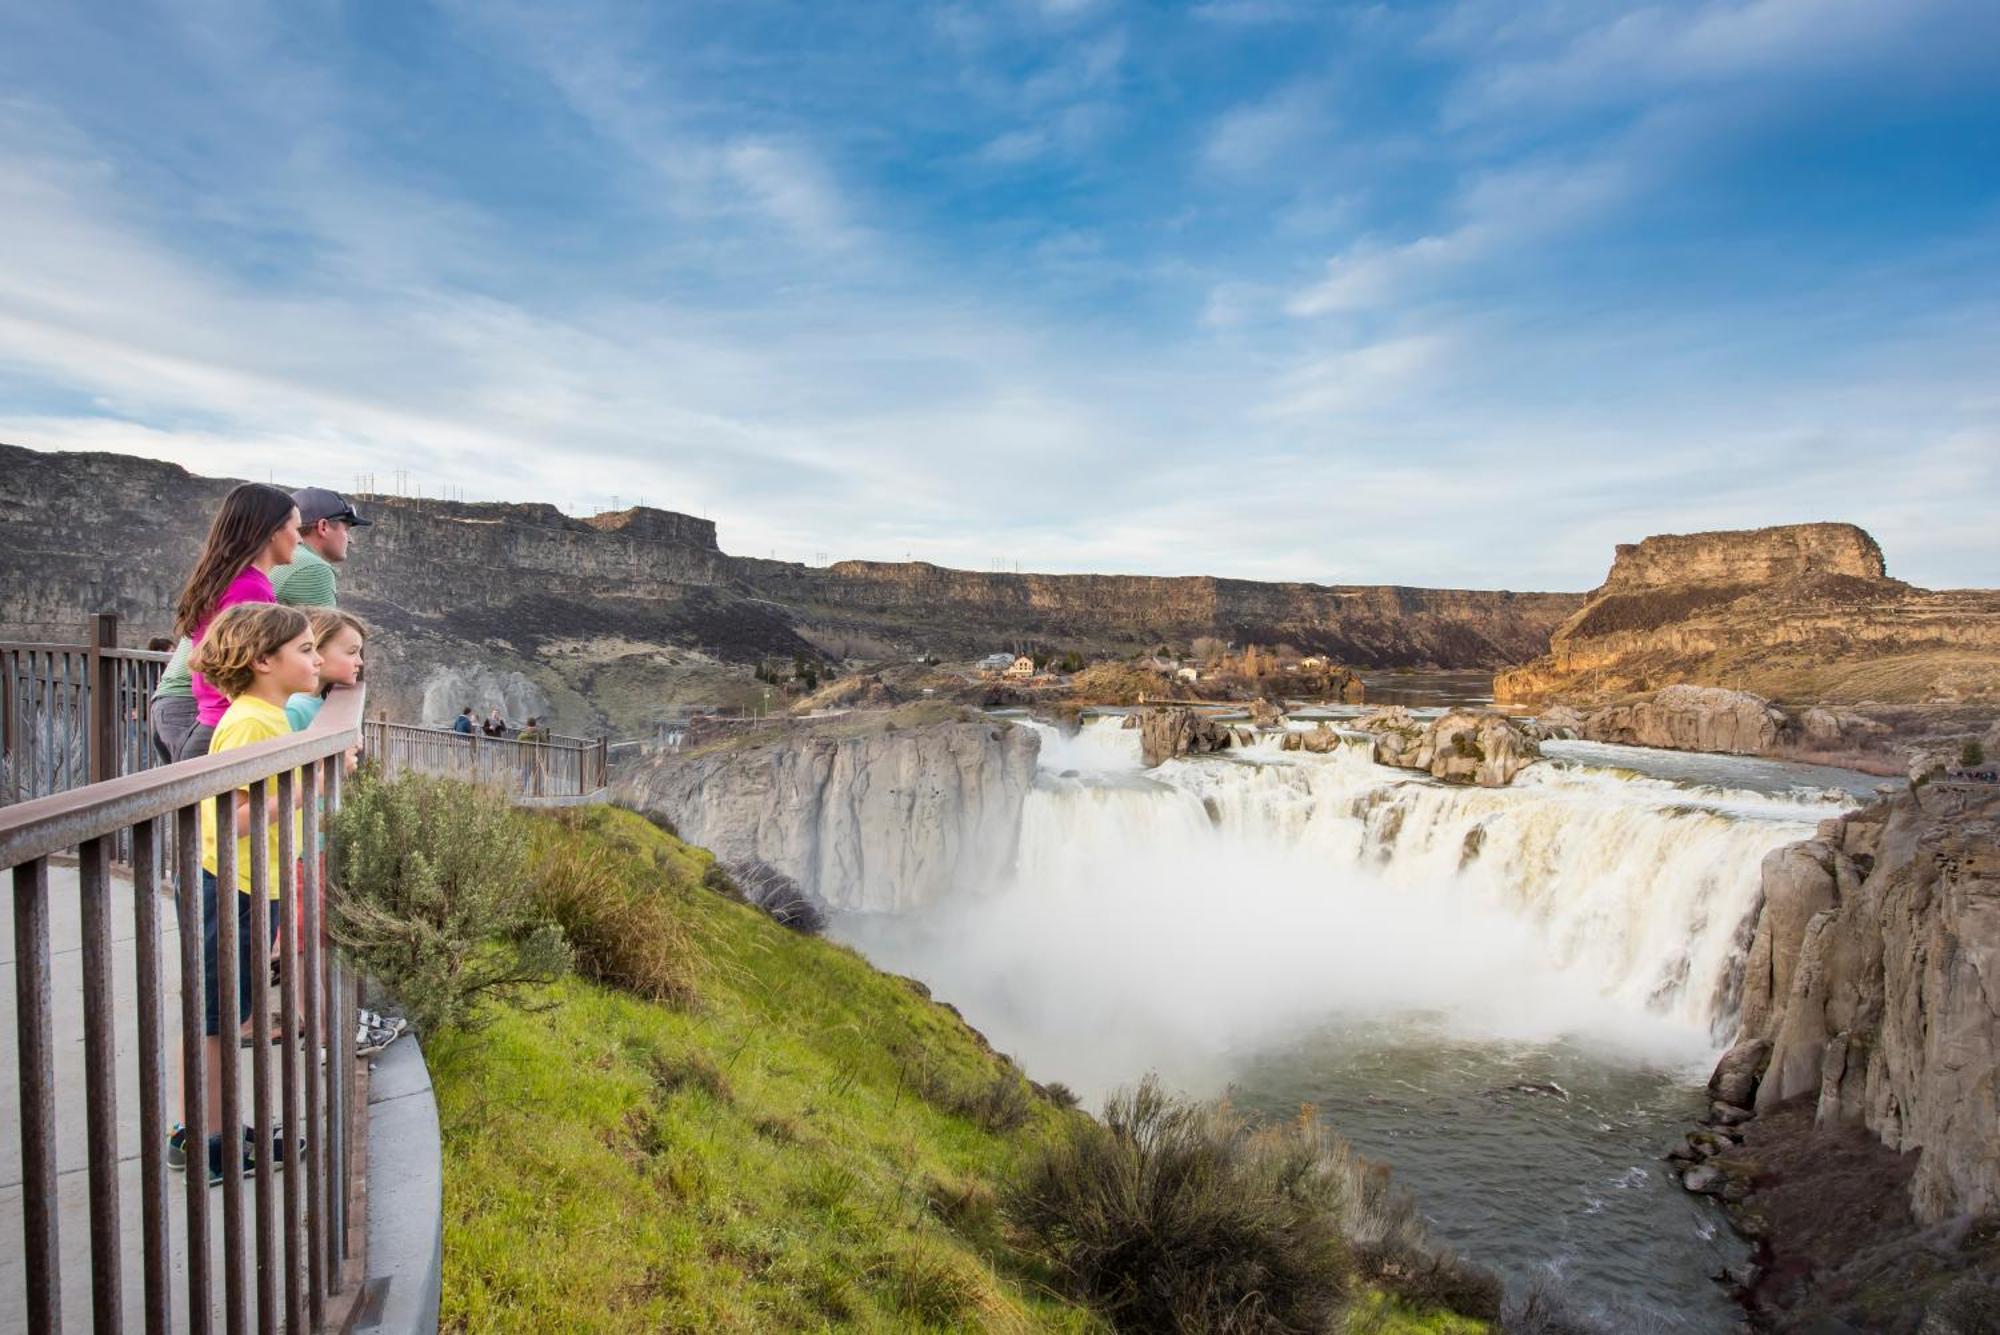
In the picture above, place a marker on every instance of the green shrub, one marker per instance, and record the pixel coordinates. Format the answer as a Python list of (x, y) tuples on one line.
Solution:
[(1972, 753), (1177, 1216), (435, 900)]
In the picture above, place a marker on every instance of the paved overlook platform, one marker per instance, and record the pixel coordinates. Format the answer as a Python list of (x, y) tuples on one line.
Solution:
[(65, 967)]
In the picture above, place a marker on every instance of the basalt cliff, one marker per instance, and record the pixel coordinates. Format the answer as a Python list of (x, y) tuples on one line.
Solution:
[(880, 811), (607, 619), (1800, 614)]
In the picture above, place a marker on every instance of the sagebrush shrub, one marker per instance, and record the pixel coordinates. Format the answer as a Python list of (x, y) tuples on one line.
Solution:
[(614, 908), (434, 898), (1171, 1215)]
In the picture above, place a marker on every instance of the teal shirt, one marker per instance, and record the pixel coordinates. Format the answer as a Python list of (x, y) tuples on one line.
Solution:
[(307, 582), (302, 709)]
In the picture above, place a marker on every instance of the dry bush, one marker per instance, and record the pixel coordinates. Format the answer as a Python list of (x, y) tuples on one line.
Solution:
[(621, 926), (1176, 1216)]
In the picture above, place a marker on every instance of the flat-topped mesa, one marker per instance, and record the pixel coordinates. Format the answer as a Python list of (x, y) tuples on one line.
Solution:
[(1804, 613), (1745, 556), (650, 525)]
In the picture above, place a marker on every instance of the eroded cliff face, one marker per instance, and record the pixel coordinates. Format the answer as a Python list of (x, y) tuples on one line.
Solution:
[(1874, 978), (963, 611), (612, 616), (875, 812), (1802, 613)]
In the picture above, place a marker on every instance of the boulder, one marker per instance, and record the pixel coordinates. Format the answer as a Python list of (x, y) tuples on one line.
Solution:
[(1703, 1180), (1398, 735), (1266, 714), (1319, 740), (1558, 723), (1694, 718), (1165, 733), (1737, 1075), (1478, 746)]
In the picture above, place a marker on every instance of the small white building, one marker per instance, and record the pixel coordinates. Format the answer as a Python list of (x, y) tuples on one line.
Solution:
[(1188, 674), (996, 662), (1022, 668)]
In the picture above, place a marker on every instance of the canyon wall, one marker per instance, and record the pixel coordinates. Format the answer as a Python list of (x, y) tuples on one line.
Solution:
[(612, 618), (1802, 613), (887, 814), (1871, 977), (960, 612)]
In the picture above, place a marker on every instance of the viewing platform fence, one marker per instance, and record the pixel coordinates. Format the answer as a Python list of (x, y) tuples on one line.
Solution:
[(286, 1237), (72, 714), (558, 771)]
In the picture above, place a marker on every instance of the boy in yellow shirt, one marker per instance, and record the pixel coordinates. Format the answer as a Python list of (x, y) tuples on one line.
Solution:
[(259, 655)]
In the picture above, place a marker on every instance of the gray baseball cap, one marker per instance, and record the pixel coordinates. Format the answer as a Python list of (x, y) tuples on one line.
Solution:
[(317, 503)]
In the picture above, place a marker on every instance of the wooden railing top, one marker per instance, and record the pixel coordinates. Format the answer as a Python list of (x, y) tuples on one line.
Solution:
[(547, 739), (45, 825)]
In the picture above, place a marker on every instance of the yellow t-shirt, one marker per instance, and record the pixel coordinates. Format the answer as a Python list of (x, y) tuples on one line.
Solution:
[(248, 721)]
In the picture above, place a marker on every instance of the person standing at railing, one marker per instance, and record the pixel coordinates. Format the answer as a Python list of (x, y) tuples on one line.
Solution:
[(327, 521), (255, 531), (259, 656), (303, 576)]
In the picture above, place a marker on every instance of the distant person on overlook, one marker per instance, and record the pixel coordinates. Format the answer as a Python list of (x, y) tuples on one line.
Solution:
[(494, 726), (463, 723), (255, 531), (534, 732)]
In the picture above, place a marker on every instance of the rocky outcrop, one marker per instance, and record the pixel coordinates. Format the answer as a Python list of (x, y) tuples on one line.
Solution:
[(1871, 976), (1693, 718), (448, 689), (1474, 746), (1170, 732), (1804, 612), (882, 814), (1318, 740)]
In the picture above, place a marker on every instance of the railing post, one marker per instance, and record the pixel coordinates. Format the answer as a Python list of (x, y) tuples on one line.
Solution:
[(103, 698)]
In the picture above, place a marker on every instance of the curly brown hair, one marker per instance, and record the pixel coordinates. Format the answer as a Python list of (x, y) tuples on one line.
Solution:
[(239, 636)]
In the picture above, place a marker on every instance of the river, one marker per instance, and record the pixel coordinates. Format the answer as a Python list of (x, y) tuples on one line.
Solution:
[(1510, 995)]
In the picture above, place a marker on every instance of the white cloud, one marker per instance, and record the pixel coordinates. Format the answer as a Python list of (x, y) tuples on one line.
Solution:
[(1247, 138), (1499, 211)]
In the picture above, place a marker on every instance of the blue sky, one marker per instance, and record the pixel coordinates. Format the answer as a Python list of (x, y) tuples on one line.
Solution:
[(1455, 293)]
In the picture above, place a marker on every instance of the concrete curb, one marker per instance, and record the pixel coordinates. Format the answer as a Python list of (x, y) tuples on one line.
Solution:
[(404, 1280)]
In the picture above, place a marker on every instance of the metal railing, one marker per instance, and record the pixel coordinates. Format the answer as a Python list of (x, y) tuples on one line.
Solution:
[(301, 1226), (559, 769), (72, 714)]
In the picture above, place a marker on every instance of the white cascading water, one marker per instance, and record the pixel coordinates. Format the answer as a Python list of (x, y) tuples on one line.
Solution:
[(1211, 903)]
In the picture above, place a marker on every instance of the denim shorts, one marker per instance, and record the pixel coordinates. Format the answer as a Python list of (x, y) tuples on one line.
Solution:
[(253, 968)]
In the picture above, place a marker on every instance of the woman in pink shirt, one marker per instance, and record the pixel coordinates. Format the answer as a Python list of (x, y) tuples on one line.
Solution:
[(256, 529)]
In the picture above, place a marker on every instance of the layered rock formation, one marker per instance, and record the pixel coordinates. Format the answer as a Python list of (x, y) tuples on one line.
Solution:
[(883, 814), (1870, 988), (613, 616), (1801, 613), (963, 611)]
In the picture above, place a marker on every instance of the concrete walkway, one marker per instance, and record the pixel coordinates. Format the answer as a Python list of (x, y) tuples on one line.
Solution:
[(65, 945)]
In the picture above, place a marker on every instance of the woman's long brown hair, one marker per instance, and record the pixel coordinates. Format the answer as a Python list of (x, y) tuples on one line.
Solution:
[(250, 514)]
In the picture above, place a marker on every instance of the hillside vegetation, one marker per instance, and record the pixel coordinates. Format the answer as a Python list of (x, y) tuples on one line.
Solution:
[(788, 1139)]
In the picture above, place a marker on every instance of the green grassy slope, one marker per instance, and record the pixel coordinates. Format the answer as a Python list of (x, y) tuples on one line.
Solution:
[(809, 1145)]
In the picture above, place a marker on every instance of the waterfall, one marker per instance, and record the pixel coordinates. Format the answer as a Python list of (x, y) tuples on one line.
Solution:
[(1210, 902)]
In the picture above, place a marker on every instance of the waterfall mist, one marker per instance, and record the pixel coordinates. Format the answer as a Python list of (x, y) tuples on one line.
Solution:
[(1174, 919)]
